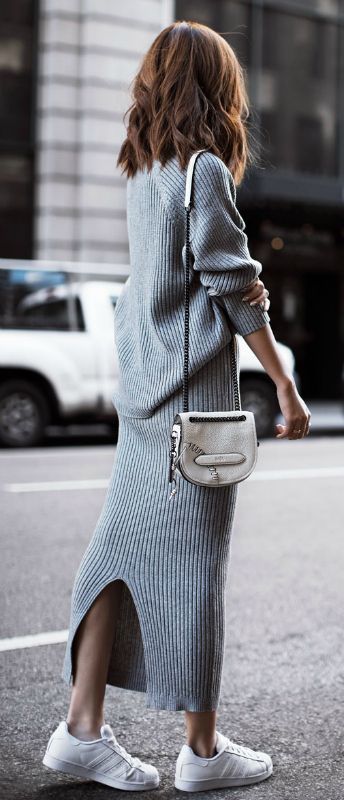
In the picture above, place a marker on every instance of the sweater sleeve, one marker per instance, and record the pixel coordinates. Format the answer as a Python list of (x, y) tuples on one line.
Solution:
[(219, 250)]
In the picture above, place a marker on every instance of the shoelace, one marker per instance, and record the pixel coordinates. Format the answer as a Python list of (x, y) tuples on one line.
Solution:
[(239, 749), (134, 761)]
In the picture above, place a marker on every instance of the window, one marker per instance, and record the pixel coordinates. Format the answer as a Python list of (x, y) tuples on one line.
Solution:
[(299, 112), (17, 31), (231, 20), (51, 315), (35, 300), (329, 7), (293, 75)]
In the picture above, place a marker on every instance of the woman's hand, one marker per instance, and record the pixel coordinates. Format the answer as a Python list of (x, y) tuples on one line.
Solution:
[(256, 293), (295, 411), (263, 344)]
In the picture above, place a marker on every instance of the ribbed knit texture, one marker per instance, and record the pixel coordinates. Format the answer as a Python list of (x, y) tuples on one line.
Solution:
[(149, 315), (173, 555)]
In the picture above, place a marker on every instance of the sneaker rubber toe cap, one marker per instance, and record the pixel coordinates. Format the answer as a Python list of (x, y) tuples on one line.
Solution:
[(267, 761), (151, 774)]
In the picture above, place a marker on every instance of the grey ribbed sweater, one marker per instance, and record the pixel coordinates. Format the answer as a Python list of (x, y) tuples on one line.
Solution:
[(169, 634), (149, 315)]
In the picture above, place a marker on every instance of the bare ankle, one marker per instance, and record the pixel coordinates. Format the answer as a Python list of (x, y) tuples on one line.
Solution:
[(84, 729), (203, 748)]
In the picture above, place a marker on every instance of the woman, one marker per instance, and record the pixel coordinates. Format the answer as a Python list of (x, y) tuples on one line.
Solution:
[(147, 609)]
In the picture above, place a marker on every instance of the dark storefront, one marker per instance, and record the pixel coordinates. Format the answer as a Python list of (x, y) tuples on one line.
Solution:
[(293, 199), (17, 117)]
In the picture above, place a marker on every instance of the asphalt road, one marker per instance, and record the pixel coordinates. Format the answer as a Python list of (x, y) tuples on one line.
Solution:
[(283, 677)]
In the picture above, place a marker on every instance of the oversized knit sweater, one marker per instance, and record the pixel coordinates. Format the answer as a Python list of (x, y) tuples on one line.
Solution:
[(149, 314)]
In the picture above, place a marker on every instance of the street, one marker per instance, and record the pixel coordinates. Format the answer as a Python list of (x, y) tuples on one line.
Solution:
[(283, 679)]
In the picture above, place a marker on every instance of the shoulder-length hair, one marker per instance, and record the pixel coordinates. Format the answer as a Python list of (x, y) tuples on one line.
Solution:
[(188, 94)]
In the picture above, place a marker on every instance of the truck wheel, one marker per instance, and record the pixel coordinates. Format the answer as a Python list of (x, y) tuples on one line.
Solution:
[(260, 398), (24, 413)]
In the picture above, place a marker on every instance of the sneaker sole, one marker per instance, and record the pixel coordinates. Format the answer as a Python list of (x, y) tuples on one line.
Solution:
[(220, 783), (86, 772)]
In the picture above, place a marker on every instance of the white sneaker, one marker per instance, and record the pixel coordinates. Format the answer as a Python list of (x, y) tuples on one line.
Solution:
[(233, 765), (103, 760)]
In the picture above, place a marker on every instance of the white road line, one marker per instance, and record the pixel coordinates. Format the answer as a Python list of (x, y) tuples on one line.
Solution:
[(33, 640), (99, 450), (307, 472), (102, 483), (56, 486)]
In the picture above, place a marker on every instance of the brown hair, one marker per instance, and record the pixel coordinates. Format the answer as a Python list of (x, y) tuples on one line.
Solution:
[(188, 94)]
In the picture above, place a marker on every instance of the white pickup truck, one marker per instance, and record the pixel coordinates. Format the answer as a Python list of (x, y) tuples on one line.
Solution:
[(58, 362)]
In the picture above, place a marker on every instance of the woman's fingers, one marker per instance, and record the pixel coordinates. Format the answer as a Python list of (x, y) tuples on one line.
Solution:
[(294, 430), (262, 300), (301, 427), (284, 433), (265, 304), (254, 289), (257, 294), (259, 299), (281, 429), (252, 285), (307, 426)]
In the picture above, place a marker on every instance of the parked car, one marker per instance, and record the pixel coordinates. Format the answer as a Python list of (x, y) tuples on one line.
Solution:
[(58, 362)]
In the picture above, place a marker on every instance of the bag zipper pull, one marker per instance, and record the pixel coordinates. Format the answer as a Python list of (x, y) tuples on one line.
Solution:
[(174, 488), (173, 453)]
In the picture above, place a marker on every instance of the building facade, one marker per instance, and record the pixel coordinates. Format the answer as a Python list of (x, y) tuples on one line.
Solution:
[(65, 73), (66, 67), (89, 51)]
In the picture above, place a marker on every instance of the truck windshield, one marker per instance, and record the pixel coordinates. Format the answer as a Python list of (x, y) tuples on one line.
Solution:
[(38, 300)]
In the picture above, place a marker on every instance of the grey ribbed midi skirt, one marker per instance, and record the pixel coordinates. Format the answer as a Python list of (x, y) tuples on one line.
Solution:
[(172, 555)]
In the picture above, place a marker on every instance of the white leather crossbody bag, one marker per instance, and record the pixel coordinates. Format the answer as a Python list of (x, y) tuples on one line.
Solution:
[(209, 448)]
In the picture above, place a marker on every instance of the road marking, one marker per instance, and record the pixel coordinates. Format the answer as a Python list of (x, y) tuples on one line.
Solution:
[(307, 472), (33, 640), (102, 483), (58, 452), (56, 486)]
